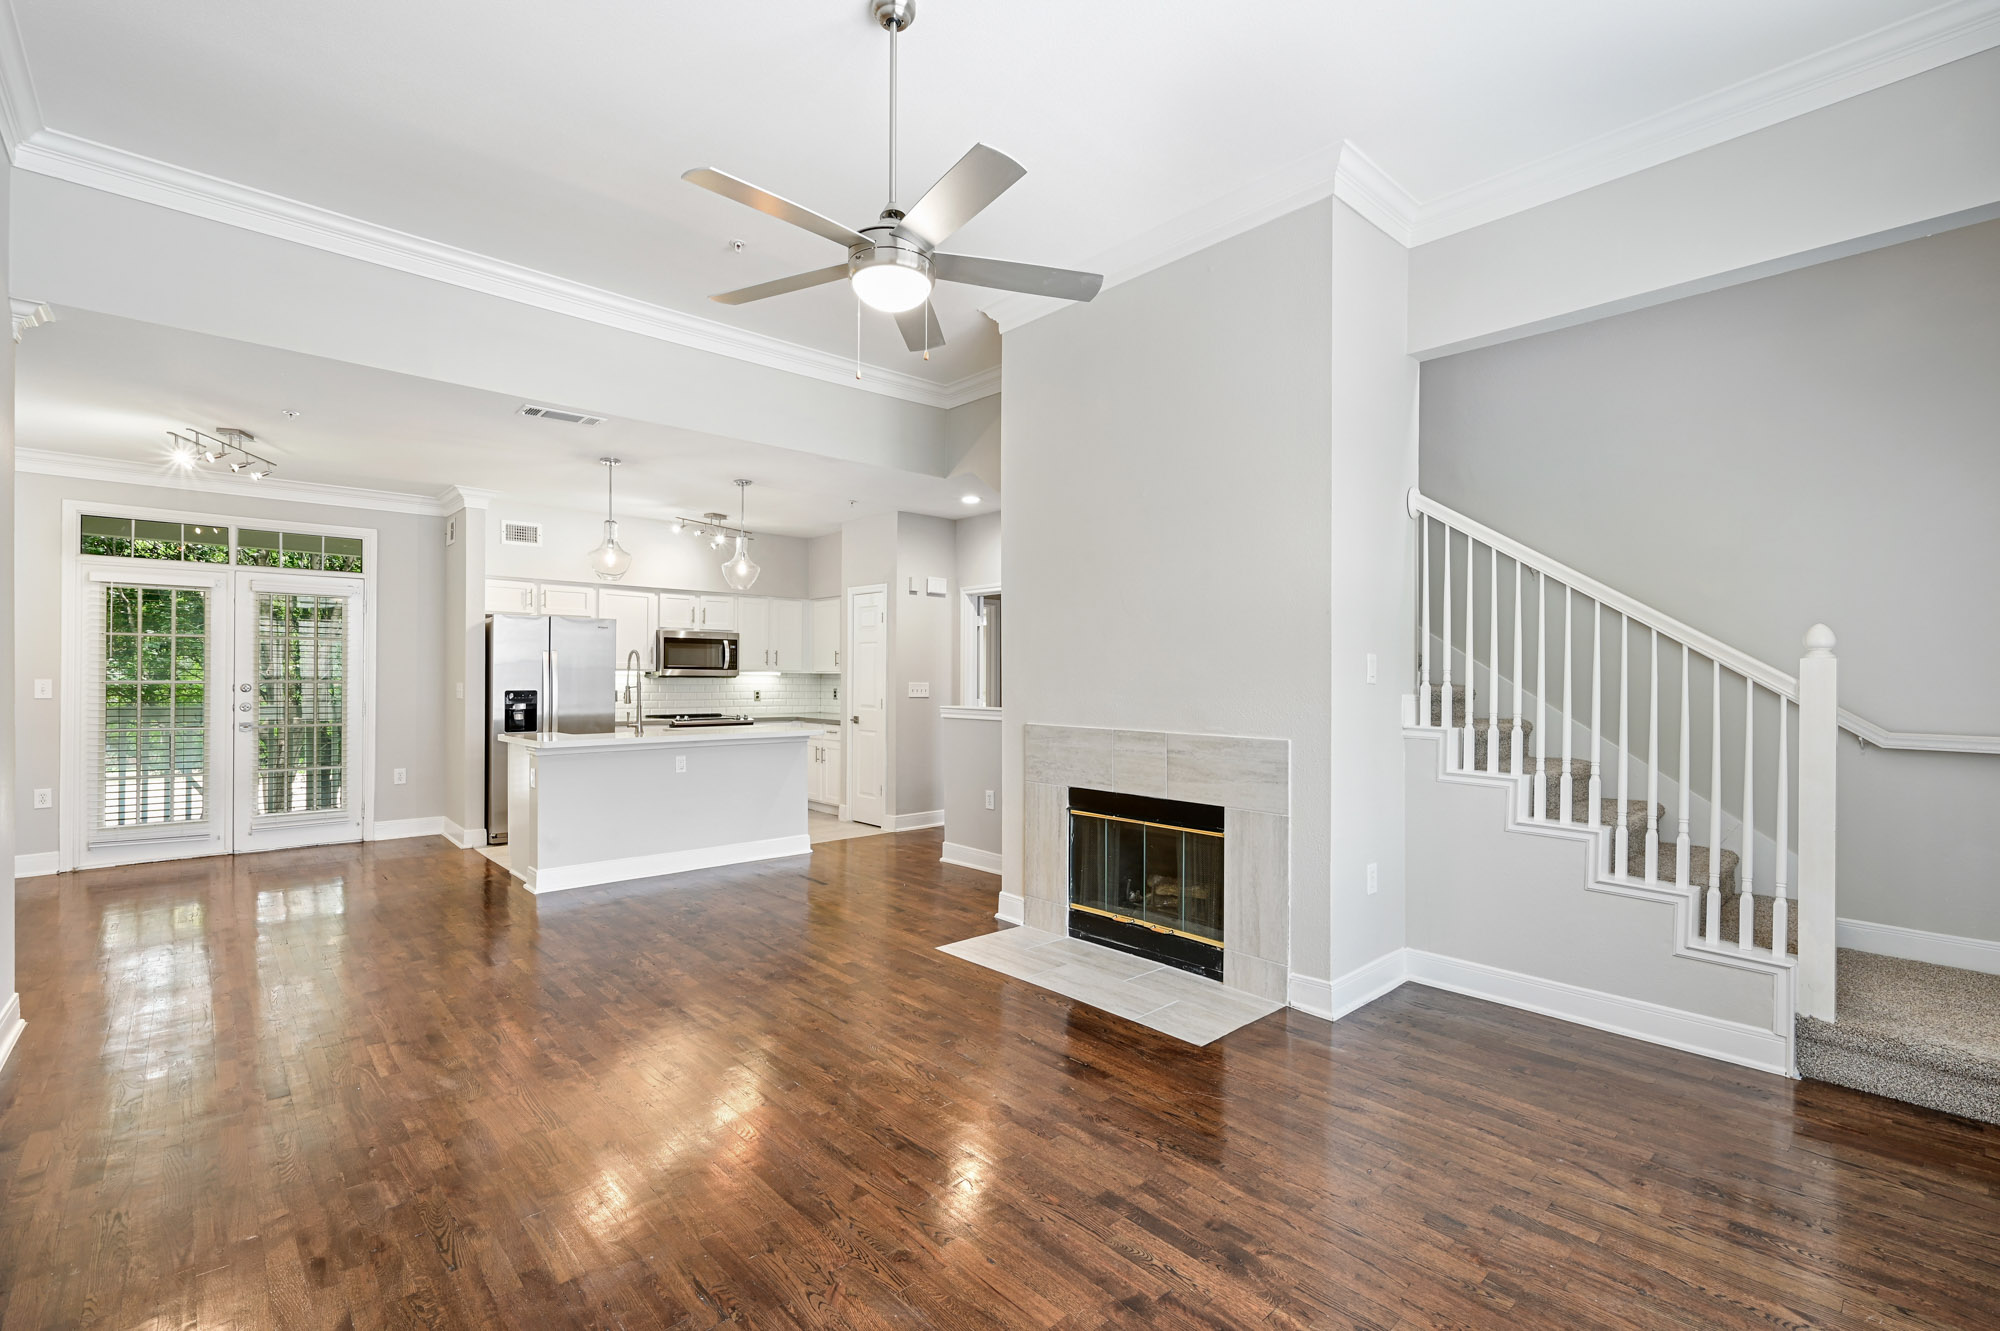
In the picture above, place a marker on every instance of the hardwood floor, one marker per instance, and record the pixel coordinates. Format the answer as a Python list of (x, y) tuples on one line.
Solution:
[(377, 1086)]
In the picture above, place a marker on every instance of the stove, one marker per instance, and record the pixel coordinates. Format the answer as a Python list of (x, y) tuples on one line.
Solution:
[(690, 720)]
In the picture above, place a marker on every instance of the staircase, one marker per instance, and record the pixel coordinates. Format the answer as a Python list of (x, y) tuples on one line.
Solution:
[(1732, 763)]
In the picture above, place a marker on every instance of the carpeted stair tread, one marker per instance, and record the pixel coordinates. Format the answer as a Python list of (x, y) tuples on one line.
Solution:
[(1928, 1035), (1760, 923)]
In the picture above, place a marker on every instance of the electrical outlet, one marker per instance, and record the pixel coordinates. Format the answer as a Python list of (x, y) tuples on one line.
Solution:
[(45, 688), (402, 776), (45, 798), (989, 799), (919, 690), (460, 686), (680, 762), (1373, 884), (756, 695), (1371, 667)]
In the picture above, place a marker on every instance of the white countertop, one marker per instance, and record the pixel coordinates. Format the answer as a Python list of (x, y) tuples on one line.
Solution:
[(661, 735)]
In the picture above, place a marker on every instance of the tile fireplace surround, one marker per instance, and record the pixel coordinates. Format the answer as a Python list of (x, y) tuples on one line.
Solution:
[(1249, 778)]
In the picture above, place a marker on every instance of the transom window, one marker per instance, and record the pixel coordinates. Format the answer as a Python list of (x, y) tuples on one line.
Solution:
[(192, 543)]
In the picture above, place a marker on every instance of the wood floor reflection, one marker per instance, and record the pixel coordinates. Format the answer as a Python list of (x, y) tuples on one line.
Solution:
[(379, 1086)]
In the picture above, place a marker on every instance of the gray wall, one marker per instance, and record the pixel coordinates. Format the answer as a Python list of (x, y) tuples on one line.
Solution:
[(971, 767), (823, 566), (922, 648), (8, 836), (1816, 446), (660, 557), (410, 681), (463, 687), (1169, 539)]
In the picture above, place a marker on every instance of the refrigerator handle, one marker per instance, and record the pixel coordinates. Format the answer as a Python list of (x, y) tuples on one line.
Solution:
[(555, 694)]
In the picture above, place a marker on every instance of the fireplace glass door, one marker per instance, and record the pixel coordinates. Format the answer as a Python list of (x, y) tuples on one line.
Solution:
[(1146, 876)]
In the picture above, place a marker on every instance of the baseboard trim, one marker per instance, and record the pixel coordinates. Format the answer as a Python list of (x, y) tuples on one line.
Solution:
[(971, 857), (11, 1027), (1012, 908), (916, 822), (599, 872), (1893, 940), (395, 829), (1334, 999), (40, 864), (464, 838), (1692, 1032)]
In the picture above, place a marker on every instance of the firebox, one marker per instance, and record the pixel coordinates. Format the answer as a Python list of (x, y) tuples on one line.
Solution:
[(1145, 877)]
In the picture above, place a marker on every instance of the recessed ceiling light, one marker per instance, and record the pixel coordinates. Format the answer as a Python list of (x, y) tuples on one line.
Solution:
[(968, 499), (291, 415)]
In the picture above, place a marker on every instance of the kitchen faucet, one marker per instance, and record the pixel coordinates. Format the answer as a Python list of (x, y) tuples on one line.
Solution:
[(631, 688)]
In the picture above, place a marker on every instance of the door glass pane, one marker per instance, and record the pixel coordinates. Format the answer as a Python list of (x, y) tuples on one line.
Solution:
[(301, 662), (154, 720)]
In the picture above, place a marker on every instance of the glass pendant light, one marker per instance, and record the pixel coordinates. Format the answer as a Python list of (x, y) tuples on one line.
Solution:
[(739, 571), (610, 560)]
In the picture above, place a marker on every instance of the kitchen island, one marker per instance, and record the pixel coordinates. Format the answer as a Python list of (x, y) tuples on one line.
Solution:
[(590, 809)]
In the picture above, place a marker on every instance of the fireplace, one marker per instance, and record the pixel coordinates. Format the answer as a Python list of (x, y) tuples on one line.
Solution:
[(1145, 877)]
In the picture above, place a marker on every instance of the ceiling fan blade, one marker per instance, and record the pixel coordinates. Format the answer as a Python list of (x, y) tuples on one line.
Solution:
[(778, 287), (1062, 283), (916, 336), (729, 187), (975, 180)]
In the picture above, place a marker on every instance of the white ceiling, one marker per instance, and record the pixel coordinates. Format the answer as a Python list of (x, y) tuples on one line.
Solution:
[(554, 136), (95, 386)]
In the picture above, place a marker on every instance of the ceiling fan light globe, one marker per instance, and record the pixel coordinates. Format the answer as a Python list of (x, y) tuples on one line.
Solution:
[(891, 288)]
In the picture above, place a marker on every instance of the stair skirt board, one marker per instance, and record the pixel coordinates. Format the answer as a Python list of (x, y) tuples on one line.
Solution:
[(1766, 1049), (1670, 789)]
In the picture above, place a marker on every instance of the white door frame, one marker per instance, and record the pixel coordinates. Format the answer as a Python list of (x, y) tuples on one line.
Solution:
[(72, 834), (847, 745), (968, 639)]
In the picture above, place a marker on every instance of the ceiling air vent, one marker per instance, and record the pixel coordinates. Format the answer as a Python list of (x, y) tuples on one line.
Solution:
[(557, 414), (520, 533)]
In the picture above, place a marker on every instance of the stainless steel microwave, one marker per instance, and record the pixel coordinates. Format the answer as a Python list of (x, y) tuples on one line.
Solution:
[(695, 652)]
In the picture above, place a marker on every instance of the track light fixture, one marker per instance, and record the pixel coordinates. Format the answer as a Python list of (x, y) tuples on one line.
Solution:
[(226, 447)]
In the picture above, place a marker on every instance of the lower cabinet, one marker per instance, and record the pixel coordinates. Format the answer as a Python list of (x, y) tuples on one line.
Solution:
[(825, 781)]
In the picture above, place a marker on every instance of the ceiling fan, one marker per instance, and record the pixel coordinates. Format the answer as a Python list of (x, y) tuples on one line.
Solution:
[(893, 264)]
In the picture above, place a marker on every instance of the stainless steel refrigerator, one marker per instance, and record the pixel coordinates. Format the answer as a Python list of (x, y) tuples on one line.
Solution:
[(544, 673)]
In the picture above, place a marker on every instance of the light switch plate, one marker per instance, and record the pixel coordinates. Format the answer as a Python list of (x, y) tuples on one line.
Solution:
[(460, 686), (680, 762), (402, 776), (989, 799), (918, 690), (1371, 667), (45, 688), (45, 798), (934, 586), (1373, 885)]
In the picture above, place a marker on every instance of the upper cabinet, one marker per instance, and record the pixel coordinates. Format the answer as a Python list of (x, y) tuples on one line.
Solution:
[(716, 612), (787, 635), (510, 598), (636, 614), (753, 630), (678, 610), (560, 600), (824, 640)]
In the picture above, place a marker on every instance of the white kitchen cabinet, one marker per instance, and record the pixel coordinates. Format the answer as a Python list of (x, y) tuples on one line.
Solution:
[(509, 598), (753, 630), (636, 614), (824, 640), (788, 635), (560, 600), (717, 612), (678, 610), (825, 783)]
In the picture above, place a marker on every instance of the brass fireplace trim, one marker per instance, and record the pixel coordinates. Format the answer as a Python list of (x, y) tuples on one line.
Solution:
[(1141, 822), (1147, 924)]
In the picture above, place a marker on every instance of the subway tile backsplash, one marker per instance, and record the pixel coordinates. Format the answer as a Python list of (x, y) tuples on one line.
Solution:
[(754, 695)]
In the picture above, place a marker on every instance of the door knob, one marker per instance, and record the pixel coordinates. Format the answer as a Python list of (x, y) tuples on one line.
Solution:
[(243, 725), (856, 720)]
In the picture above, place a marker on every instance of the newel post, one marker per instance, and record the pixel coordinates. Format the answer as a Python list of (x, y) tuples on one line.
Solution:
[(1819, 730)]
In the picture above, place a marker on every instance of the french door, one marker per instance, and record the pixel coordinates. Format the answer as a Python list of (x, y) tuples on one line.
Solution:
[(221, 710), (294, 711)]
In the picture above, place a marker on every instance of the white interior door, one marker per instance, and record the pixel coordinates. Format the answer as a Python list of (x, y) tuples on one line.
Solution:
[(301, 738), (868, 690)]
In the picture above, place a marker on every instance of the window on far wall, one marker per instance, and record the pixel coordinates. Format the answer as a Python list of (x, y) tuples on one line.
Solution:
[(986, 649), (142, 538)]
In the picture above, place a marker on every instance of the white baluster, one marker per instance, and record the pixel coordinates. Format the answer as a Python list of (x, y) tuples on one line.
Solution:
[(1780, 926), (1471, 762), (1595, 791), (1715, 808), (1444, 692), (1517, 743), (1624, 836), (1653, 768), (1569, 710), (1746, 874), (1424, 643), (1493, 663), (1683, 842), (1541, 791)]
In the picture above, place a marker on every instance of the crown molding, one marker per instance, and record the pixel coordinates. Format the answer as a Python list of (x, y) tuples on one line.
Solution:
[(28, 314), (1874, 60), (1288, 189), (465, 496), (95, 165), (20, 109), (1370, 191), (78, 466)]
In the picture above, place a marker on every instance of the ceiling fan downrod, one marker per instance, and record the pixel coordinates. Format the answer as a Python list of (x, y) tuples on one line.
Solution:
[(894, 16)]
